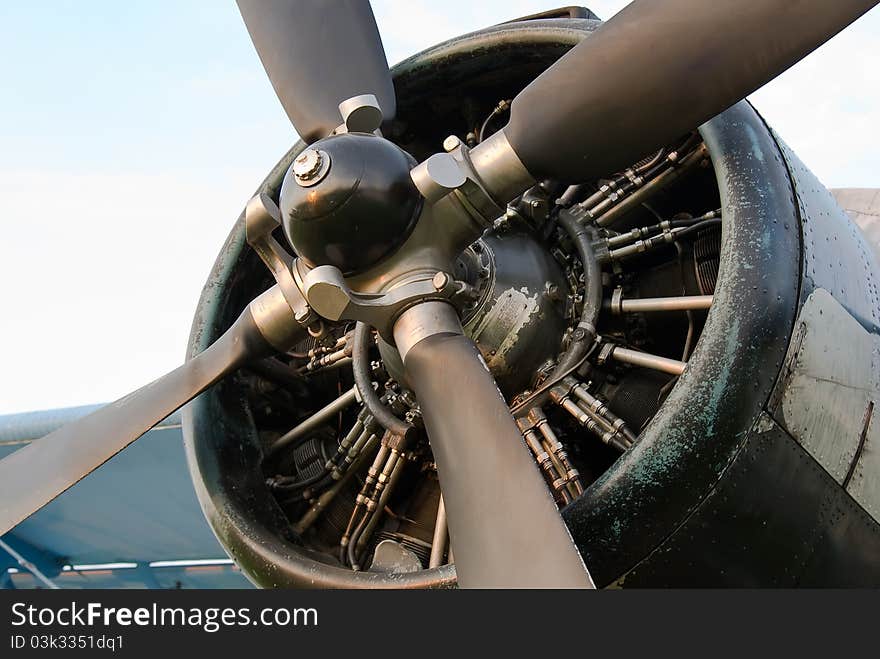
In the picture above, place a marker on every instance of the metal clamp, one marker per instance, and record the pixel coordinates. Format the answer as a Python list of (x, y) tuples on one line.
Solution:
[(617, 301), (261, 218), (327, 292), (455, 171)]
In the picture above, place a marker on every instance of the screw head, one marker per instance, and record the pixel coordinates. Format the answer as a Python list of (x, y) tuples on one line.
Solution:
[(451, 143), (440, 281)]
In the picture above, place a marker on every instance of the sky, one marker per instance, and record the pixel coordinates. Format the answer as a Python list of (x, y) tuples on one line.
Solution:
[(132, 134)]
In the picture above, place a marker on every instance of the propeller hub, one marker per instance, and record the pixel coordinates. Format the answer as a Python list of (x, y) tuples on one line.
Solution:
[(354, 212)]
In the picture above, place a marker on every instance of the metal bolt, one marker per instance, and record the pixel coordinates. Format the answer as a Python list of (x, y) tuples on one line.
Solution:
[(440, 281), (451, 143), (310, 167), (307, 164)]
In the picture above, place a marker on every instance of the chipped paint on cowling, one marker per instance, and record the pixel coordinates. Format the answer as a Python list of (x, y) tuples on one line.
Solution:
[(695, 436), (755, 143), (719, 385), (764, 424)]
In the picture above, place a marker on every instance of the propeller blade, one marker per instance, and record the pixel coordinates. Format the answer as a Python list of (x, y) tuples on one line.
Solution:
[(318, 54), (505, 528), (37, 473), (657, 70)]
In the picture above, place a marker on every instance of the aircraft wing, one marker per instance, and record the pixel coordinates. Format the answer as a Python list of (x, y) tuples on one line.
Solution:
[(135, 523)]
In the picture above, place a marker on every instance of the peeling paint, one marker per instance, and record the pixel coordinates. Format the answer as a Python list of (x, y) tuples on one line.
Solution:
[(512, 311)]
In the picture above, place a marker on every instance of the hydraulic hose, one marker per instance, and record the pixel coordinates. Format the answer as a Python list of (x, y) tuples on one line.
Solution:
[(585, 331), (360, 366)]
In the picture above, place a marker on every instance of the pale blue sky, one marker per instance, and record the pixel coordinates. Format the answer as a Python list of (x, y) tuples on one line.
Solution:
[(131, 134)]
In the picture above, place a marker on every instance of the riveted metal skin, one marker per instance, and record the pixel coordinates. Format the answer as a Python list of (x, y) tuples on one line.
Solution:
[(332, 221), (776, 519), (716, 492), (836, 255)]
